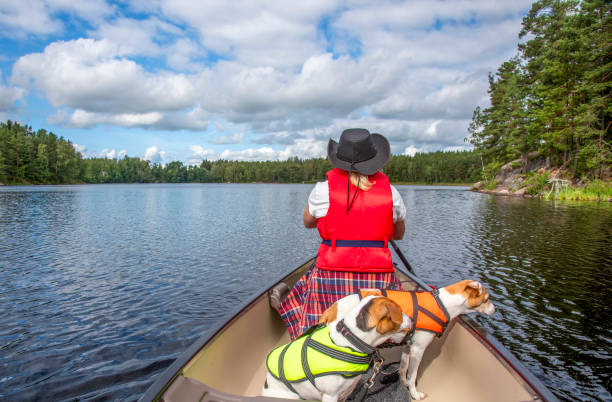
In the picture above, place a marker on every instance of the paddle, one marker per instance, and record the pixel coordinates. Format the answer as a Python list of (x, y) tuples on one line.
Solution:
[(411, 274)]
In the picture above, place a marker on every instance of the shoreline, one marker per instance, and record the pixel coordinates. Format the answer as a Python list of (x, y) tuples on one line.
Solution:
[(535, 179), (213, 182), (577, 193)]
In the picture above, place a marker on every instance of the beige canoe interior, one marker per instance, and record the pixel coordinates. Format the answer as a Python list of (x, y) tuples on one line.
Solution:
[(456, 367)]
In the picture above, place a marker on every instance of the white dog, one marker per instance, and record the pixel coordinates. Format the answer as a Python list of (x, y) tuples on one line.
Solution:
[(327, 361), (430, 312)]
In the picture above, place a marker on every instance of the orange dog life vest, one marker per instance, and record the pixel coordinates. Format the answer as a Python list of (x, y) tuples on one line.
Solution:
[(423, 308)]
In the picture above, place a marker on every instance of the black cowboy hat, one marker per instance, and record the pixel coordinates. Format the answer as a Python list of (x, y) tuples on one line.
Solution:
[(359, 151)]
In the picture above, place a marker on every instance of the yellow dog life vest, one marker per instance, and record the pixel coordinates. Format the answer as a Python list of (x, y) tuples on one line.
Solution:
[(312, 355), (423, 308)]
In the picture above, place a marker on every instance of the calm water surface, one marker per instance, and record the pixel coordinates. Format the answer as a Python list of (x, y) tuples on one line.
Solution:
[(103, 286)]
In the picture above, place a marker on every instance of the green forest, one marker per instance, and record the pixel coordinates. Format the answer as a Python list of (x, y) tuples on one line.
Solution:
[(41, 157), (552, 100)]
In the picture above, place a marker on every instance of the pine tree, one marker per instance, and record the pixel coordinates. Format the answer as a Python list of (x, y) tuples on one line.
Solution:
[(595, 111)]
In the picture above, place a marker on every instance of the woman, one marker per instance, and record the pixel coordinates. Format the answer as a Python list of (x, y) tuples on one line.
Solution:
[(357, 212)]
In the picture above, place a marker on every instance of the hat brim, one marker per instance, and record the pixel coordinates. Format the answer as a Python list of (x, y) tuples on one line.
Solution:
[(369, 167)]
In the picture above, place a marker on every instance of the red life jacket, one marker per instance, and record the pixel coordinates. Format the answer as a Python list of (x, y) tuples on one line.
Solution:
[(356, 242), (424, 309)]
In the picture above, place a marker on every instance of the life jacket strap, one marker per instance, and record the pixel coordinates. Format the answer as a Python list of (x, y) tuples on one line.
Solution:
[(338, 354), (305, 365), (436, 294), (356, 243), (281, 370)]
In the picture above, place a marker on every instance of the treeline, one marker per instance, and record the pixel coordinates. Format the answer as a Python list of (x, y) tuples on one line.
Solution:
[(435, 167), (36, 157), (438, 167), (552, 100), (29, 157)]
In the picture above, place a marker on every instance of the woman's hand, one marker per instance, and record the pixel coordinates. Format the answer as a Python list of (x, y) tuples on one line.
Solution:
[(398, 230), (309, 221)]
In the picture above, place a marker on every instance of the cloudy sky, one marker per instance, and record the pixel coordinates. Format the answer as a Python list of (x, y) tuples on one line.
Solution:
[(250, 80)]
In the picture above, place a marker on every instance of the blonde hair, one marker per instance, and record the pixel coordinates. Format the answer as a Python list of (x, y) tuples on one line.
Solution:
[(362, 181)]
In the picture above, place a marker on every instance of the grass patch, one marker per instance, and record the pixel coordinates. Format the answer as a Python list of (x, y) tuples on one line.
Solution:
[(492, 184), (594, 191), (536, 183)]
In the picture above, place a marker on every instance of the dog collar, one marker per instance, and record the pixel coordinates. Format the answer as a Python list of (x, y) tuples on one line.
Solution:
[(353, 339)]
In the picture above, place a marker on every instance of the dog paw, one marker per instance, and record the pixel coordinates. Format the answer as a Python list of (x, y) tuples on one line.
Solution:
[(416, 395)]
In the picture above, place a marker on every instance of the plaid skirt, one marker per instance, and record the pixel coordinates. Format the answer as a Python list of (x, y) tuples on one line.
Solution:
[(318, 289)]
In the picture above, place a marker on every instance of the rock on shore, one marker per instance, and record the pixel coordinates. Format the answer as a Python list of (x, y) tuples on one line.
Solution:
[(513, 179), (510, 178)]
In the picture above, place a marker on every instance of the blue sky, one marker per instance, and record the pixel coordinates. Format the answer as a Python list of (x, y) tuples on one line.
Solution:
[(250, 80)]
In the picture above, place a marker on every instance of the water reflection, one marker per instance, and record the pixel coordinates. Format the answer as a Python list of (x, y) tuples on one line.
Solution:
[(103, 286), (551, 268)]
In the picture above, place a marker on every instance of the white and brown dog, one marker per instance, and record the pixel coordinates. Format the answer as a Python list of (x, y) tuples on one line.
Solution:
[(431, 312), (327, 361)]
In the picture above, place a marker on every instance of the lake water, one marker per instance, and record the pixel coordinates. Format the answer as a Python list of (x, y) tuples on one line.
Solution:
[(103, 286)]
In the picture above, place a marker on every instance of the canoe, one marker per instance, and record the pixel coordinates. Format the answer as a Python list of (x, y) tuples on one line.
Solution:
[(228, 363)]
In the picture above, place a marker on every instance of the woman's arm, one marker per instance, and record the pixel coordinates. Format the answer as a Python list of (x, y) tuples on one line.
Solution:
[(398, 230), (309, 221)]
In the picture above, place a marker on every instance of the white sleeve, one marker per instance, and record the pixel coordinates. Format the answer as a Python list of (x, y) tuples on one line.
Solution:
[(318, 201), (399, 209)]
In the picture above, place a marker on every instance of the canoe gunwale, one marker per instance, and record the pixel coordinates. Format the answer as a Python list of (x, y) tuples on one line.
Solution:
[(533, 384), (164, 381), (537, 387)]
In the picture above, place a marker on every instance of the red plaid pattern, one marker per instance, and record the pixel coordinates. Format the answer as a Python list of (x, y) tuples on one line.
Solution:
[(318, 289)]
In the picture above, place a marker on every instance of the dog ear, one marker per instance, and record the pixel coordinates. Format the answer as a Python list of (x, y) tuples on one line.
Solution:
[(330, 314), (476, 293), (474, 288), (386, 315)]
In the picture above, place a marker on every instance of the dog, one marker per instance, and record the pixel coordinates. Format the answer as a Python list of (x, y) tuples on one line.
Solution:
[(338, 351), (431, 312)]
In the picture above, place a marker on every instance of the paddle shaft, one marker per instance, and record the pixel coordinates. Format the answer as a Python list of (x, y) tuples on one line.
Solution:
[(411, 274)]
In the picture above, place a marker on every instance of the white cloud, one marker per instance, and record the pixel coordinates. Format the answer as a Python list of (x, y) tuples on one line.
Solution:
[(80, 148), (111, 154), (307, 148), (81, 118), (20, 18), (135, 37), (182, 53), (199, 154), (281, 76), (228, 139), (431, 130), (40, 17), (254, 33), (153, 38), (155, 155), (258, 154), (304, 148), (8, 97), (411, 150), (93, 76)]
